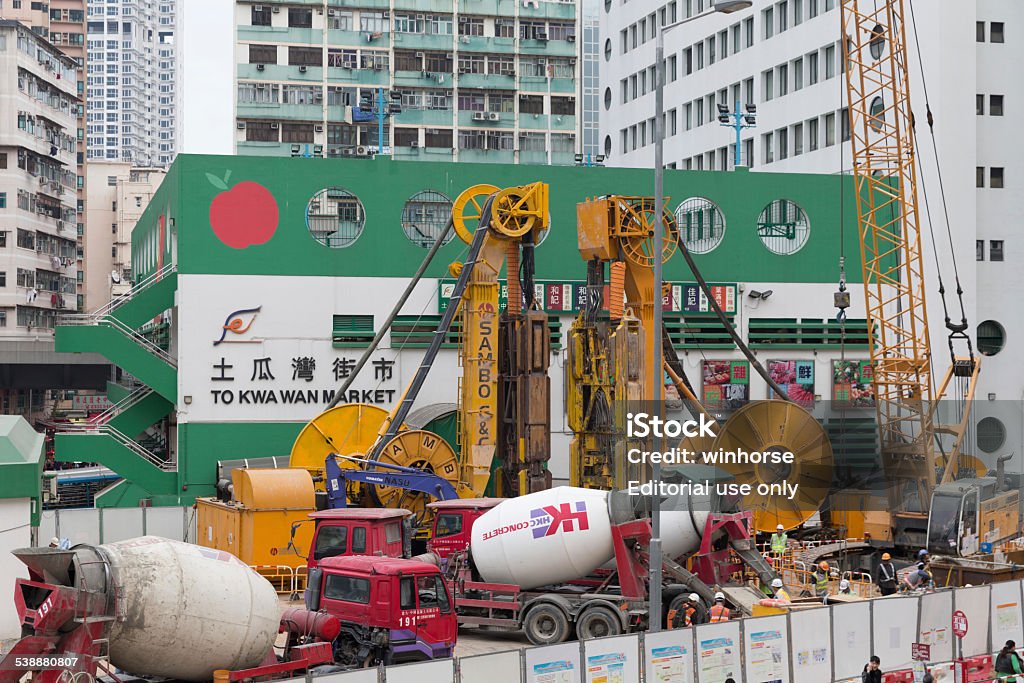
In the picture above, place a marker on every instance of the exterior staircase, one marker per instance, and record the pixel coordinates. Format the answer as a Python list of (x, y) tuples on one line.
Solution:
[(125, 437)]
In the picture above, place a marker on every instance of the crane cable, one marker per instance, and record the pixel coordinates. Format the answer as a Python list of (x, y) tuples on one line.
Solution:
[(956, 330)]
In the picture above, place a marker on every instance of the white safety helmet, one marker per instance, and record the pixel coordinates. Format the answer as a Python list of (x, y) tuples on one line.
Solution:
[(776, 583), (719, 596), (844, 585), (780, 527), (54, 542), (694, 597)]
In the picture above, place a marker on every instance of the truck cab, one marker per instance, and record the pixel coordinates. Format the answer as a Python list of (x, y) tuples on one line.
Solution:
[(358, 531), (453, 523), (391, 610), (968, 512)]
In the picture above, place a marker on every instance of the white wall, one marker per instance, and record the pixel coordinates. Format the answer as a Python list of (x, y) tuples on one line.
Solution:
[(16, 533), (206, 91)]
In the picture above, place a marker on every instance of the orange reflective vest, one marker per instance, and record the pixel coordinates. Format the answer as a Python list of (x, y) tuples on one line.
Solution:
[(719, 613)]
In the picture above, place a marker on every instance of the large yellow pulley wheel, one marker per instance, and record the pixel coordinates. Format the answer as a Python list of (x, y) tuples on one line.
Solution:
[(518, 210), (636, 233), (776, 427), (348, 429), (468, 208), (424, 451)]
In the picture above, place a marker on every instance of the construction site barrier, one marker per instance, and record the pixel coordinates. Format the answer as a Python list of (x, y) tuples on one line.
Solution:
[(826, 643), (280, 576)]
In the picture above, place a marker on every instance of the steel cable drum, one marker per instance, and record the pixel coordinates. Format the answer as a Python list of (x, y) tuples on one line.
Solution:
[(349, 429), (776, 427)]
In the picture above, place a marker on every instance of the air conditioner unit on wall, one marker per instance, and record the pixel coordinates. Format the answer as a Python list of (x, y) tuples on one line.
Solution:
[(241, 125), (260, 67), (414, 143), (276, 10), (274, 126), (493, 116), (318, 129), (479, 116)]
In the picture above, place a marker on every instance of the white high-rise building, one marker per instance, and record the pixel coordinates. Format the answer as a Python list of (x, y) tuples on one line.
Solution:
[(131, 81), (785, 57)]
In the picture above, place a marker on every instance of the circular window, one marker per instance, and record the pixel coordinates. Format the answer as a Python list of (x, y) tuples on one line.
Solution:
[(783, 227), (607, 99), (991, 434), (607, 49), (607, 145), (425, 216), (991, 338), (335, 217), (877, 119), (701, 224), (877, 44)]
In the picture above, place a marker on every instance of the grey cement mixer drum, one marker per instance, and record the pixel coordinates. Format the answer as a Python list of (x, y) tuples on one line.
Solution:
[(188, 610)]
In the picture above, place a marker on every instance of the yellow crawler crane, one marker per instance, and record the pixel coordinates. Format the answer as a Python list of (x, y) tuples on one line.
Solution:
[(885, 179), (496, 223)]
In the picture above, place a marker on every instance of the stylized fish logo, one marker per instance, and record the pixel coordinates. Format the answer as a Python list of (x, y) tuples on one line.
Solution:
[(237, 324)]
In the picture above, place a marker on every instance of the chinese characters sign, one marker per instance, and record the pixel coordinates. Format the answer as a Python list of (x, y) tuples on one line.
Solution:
[(258, 372), (796, 377), (852, 385), (726, 384), (571, 297)]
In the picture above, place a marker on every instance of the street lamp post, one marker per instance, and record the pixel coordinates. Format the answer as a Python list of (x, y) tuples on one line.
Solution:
[(657, 373), (738, 120)]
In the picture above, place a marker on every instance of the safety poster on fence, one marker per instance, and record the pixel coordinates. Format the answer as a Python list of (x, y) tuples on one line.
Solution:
[(718, 659), (552, 672), (606, 668), (766, 662)]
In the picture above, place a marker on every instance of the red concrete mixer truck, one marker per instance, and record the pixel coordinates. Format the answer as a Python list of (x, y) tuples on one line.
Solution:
[(535, 562)]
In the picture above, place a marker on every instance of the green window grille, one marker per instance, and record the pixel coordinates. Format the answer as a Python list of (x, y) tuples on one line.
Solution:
[(793, 333), (352, 331), (698, 333), (416, 331)]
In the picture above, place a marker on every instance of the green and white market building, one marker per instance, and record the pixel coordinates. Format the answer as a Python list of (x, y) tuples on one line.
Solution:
[(260, 282)]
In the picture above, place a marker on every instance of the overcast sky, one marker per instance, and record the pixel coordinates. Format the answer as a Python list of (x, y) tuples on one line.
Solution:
[(205, 51)]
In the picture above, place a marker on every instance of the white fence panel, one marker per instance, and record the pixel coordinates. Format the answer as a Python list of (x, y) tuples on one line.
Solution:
[(974, 602), (894, 622), (810, 634), (47, 527), (500, 667), (120, 524), (167, 523), (437, 671), (606, 660), (1005, 614), (851, 639), (766, 648), (361, 676), (79, 526), (718, 652), (554, 663), (668, 656), (935, 626)]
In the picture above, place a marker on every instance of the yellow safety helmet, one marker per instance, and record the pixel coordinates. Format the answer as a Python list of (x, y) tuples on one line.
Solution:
[(886, 557), (823, 565)]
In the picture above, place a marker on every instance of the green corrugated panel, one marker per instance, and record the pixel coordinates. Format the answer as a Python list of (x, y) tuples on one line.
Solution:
[(352, 330)]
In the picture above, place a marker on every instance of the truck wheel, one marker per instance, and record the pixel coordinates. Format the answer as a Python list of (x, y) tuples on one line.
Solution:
[(598, 622), (673, 608), (546, 625)]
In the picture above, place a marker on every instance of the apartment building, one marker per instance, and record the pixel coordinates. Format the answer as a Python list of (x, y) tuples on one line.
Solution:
[(477, 80), (785, 57), (118, 194), (131, 81), (62, 22), (38, 211)]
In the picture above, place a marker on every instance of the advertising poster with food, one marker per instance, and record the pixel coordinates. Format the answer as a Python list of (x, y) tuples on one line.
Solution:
[(796, 377), (852, 384), (726, 384)]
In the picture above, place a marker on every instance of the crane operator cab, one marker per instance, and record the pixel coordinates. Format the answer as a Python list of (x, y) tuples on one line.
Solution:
[(968, 512)]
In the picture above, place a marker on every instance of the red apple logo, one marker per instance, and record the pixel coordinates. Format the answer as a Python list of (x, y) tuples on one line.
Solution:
[(244, 215)]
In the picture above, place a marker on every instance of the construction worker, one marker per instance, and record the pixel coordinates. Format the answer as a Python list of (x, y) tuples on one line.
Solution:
[(780, 590), (689, 612), (719, 612), (844, 588), (780, 541), (920, 579), (885, 575), (820, 578), (54, 542)]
